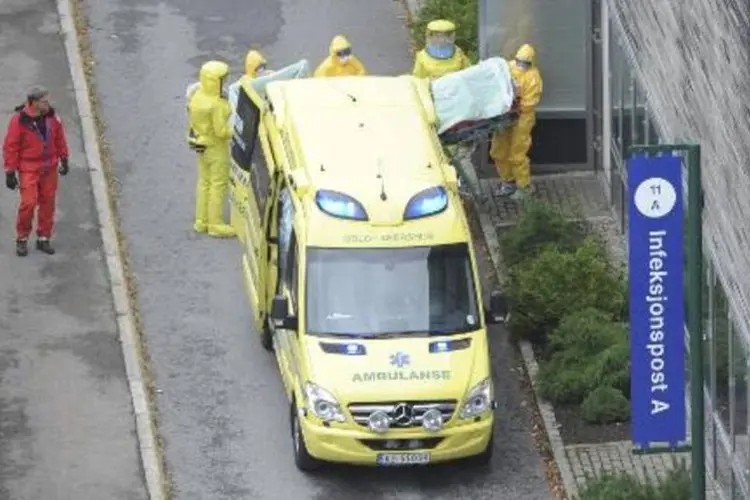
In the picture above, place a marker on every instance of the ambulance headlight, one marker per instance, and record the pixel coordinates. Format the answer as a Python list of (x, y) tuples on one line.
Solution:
[(340, 205), (322, 404), (431, 201), (379, 422), (478, 400), (432, 420)]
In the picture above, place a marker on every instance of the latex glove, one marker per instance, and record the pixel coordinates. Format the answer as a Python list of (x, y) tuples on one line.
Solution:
[(11, 180), (64, 167)]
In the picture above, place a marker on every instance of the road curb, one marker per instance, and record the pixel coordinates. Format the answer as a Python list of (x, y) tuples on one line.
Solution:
[(112, 251), (545, 409)]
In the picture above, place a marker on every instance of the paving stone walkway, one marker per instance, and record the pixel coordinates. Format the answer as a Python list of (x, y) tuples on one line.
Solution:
[(581, 192), (590, 460)]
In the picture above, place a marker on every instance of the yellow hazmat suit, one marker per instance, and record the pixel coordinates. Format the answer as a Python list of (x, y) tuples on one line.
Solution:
[(210, 133), (510, 147), (255, 63), (340, 60), (440, 55)]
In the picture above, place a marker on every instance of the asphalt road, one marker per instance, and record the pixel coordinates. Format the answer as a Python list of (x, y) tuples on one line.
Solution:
[(222, 411), (67, 430)]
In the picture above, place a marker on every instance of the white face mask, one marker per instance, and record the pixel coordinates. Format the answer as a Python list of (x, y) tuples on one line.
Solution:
[(344, 59)]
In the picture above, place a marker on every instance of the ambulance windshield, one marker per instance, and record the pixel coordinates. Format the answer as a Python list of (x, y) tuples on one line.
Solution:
[(365, 292)]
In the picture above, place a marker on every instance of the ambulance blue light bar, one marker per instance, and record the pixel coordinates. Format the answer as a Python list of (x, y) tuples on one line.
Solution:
[(340, 205), (431, 201), (450, 345), (346, 349)]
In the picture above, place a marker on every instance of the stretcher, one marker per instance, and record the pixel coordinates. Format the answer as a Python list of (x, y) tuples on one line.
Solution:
[(471, 105), (299, 69)]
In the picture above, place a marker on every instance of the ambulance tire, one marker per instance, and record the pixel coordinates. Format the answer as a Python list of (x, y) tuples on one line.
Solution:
[(266, 336), (302, 458), (485, 457)]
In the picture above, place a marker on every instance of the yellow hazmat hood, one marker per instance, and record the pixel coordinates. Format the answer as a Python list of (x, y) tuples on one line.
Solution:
[(339, 43), (253, 60), (211, 75)]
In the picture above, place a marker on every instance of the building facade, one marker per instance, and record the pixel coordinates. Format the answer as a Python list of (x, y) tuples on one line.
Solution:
[(594, 94)]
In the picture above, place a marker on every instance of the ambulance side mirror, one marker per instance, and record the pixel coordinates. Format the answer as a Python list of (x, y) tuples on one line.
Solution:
[(497, 311), (280, 313)]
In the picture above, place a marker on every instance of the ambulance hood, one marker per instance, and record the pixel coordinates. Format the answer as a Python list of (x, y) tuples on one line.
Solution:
[(402, 368)]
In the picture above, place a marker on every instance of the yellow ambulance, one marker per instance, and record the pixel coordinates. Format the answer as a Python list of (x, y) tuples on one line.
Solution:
[(359, 267)]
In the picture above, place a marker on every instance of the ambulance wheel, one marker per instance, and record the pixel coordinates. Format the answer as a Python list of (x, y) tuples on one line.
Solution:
[(485, 457), (266, 336), (302, 458)]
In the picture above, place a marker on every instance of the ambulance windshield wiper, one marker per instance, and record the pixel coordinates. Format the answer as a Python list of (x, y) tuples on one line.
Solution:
[(339, 335), (405, 333)]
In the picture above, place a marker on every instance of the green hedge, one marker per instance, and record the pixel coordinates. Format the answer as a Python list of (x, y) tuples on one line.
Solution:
[(586, 352), (571, 302), (556, 282), (462, 12), (676, 485), (542, 225)]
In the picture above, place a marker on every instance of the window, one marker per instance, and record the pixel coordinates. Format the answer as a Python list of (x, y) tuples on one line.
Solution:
[(292, 272), (245, 131), (284, 220), (385, 292), (245, 152)]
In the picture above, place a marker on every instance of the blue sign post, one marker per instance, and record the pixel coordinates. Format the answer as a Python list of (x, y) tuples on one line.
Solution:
[(657, 310)]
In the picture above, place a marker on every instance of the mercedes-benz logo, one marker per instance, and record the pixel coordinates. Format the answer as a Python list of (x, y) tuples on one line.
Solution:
[(403, 414)]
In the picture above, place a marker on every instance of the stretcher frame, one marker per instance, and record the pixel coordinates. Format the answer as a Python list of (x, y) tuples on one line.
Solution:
[(461, 140)]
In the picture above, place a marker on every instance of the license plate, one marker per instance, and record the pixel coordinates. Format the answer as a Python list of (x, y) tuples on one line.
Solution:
[(396, 459)]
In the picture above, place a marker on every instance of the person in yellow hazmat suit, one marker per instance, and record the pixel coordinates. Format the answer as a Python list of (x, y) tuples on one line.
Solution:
[(255, 67), (210, 133), (255, 64), (510, 147), (340, 61), (441, 55)]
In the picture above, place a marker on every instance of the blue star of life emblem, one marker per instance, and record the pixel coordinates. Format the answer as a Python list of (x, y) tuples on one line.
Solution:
[(400, 359)]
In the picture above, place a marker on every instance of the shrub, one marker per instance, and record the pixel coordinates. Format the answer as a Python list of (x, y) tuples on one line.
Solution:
[(539, 226), (462, 12), (616, 487), (586, 351), (675, 486), (605, 405), (585, 333), (611, 367), (547, 287), (562, 385)]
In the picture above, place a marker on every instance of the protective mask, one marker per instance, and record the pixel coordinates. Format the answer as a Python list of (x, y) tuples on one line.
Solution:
[(441, 51), (344, 59), (523, 65)]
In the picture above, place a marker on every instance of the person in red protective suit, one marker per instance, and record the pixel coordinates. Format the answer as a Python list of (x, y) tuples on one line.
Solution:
[(34, 151)]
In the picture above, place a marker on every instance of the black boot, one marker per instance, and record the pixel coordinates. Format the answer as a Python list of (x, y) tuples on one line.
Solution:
[(45, 246), (22, 248)]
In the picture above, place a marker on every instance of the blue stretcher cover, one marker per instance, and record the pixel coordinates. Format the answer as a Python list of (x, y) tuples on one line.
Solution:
[(482, 94), (300, 69)]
